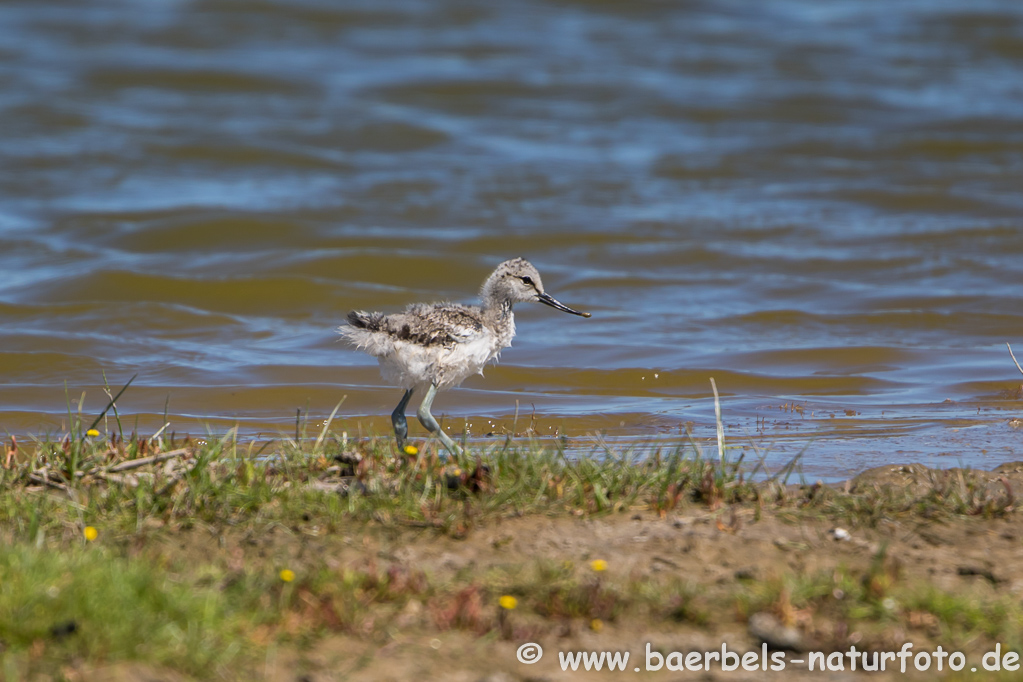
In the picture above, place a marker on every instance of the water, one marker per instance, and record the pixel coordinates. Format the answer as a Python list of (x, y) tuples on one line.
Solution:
[(816, 204)]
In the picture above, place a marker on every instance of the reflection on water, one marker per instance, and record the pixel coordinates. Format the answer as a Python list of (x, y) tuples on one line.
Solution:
[(815, 204)]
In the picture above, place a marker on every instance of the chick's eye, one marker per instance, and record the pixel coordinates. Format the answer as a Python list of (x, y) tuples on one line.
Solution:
[(527, 280)]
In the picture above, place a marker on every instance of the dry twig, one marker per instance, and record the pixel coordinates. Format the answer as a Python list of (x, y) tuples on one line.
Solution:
[(43, 476), (143, 461)]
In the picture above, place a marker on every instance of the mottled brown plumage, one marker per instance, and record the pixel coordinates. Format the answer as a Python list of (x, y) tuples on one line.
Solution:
[(442, 323)]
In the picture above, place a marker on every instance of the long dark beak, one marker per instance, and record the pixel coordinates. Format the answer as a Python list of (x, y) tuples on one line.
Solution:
[(554, 303)]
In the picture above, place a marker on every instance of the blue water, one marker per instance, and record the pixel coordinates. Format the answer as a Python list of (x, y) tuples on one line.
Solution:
[(816, 204)]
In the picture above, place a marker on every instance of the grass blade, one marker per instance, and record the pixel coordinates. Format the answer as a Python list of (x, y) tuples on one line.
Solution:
[(720, 425), (323, 433), (110, 404), (1014, 357)]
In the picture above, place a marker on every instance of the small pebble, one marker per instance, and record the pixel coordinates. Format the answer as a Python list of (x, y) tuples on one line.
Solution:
[(746, 574), (772, 632)]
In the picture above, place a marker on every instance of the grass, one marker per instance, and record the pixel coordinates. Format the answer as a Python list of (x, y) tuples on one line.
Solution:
[(129, 595), (88, 602), (221, 480), (879, 601)]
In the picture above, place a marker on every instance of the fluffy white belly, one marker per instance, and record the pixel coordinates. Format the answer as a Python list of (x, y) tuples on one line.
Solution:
[(412, 365)]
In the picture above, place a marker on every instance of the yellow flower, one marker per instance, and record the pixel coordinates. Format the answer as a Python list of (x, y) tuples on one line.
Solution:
[(596, 625), (508, 602), (287, 575), (92, 433), (411, 450), (598, 565), (90, 533)]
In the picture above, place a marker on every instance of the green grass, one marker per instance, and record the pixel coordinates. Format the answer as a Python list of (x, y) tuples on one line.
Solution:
[(879, 601), (129, 597), (88, 602), (221, 481)]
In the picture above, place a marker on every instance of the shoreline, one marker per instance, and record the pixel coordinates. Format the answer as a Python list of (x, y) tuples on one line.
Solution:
[(351, 561)]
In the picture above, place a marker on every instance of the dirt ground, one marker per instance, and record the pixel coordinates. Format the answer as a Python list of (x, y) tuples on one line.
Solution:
[(716, 551)]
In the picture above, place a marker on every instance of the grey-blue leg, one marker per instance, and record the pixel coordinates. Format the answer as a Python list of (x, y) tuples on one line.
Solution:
[(398, 419), (427, 420)]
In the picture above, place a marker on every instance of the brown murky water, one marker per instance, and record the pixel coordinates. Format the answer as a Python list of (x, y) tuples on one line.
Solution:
[(819, 205)]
